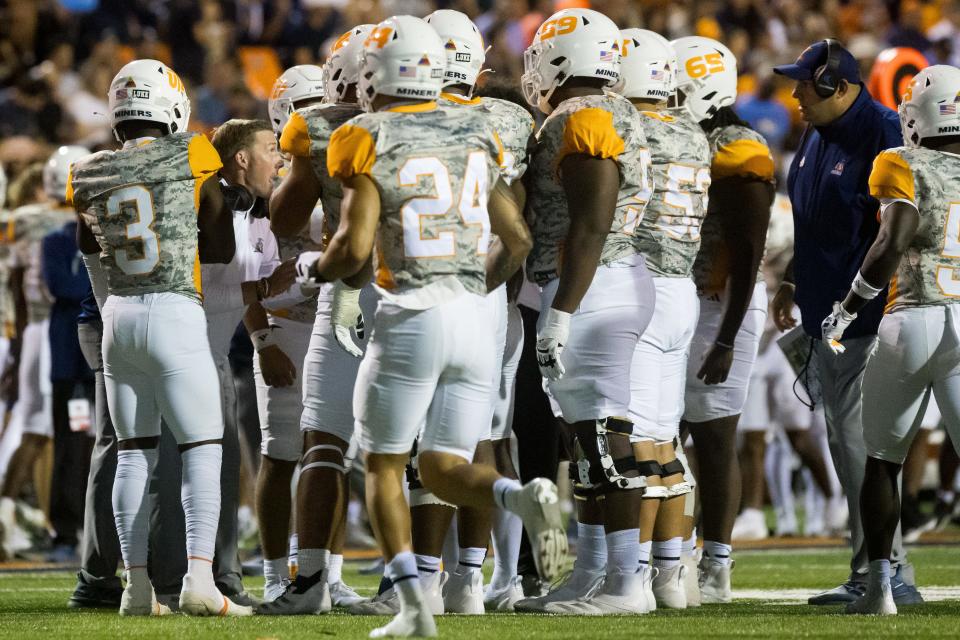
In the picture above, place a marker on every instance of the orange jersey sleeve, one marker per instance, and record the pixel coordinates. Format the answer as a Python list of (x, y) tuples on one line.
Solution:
[(204, 159), (743, 159), (591, 132), (891, 177), (295, 139), (351, 152)]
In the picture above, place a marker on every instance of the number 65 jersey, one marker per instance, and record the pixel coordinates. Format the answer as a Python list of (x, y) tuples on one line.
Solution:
[(929, 271), (141, 203), (434, 168)]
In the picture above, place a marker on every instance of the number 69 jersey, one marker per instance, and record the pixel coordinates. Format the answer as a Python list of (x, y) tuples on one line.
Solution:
[(435, 169), (141, 203), (669, 232), (929, 271)]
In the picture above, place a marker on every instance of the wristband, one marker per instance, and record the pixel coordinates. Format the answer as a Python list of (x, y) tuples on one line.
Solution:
[(263, 289), (263, 338), (863, 288)]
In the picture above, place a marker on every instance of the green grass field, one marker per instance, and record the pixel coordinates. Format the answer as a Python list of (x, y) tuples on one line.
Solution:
[(772, 583)]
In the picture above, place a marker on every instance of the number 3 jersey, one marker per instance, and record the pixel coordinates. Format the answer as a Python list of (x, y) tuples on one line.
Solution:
[(602, 126), (434, 168), (929, 271), (142, 203), (669, 231)]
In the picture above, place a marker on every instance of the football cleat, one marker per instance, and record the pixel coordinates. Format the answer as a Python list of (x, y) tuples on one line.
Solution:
[(538, 506), (576, 584), (877, 601), (140, 600), (669, 588), (388, 602), (715, 581), (273, 590), (848, 592), (305, 595), (750, 525), (343, 595), (618, 594), (647, 576), (414, 623), (503, 599), (691, 582), (463, 593)]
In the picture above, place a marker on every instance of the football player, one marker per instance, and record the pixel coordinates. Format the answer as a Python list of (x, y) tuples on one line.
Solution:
[(153, 214), (280, 337), (417, 179), (587, 189), (669, 237), (329, 372), (514, 125), (733, 297), (916, 252), (30, 353)]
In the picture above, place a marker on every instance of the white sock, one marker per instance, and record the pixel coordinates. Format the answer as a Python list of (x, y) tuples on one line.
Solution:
[(294, 546), (880, 569), (200, 495), (311, 561), (644, 557), (666, 554), (427, 565), (623, 551), (690, 544), (717, 551), (132, 504), (402, 571), (503, 490), (591, 547), (507, 532), (335, 568), (450, 554), (138, 579), (470, 559), (275, 570)]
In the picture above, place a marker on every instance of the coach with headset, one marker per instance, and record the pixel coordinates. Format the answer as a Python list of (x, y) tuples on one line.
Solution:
[(835, 221)]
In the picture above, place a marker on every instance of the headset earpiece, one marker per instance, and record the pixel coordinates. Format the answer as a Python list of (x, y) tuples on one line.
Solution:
[(826, 80)]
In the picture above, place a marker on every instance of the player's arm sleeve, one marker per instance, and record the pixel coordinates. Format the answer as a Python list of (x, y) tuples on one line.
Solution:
[(352, 152), (204, 160), (591, 132), (295, 138), (219, 294), (98, 277), (743, 158)]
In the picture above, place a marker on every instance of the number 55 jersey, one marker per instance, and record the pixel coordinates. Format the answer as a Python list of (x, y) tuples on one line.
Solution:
[(141, 203)]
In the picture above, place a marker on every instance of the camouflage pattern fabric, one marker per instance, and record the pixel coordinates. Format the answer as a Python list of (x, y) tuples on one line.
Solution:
[(29, 225), (546, 201), (929, 271), (435, 169), (669, 232), (712, 265), (141, 204)]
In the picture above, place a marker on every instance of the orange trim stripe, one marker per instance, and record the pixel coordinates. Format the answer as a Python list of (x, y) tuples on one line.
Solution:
[(452, 97), (226, 605), (422, 107)]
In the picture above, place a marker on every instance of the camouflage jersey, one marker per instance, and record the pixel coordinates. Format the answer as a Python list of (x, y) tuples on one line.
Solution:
[(737, 152), (6, 301), (435, 169), (669, 232), (142, 203), (513, 124), (28, 226), (307, 135), (929, 271), (310, 238), (602, 126)]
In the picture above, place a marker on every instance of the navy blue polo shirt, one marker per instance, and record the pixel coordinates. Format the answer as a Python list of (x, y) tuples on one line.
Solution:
[(66, 279), (834, 215)]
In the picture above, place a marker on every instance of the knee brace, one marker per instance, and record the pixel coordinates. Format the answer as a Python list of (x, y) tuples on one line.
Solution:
[(609, 465), (334, 460), (679, 466), (420, 495)]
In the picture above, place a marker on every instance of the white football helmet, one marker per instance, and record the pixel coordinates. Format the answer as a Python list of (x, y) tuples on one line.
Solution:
[(56, 171), (571, 43), (463, 43), (931, 105), (402, 57), (649, 66), (149, 90), (342, 68), (301, 82), (706, 74)]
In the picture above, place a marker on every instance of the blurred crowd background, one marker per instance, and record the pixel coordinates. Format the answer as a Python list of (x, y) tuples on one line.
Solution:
[(57, 57)]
